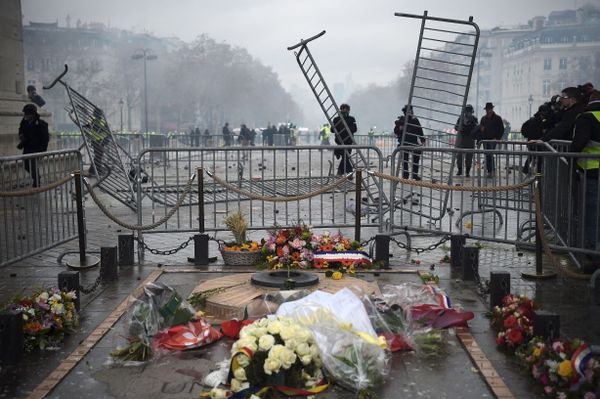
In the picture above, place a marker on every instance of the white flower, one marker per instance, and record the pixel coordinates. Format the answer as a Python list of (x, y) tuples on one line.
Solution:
[(240, 374), (56, 297), (237, 385), (272, 365), (291, 343), (287, 332), (25, 317), (266, 342), (276, 350), (306, 359), (274, 327), (264, 322), (304, 335), (247, 331), (218, 393), (71, 295), (303, 349), (246, 342), (44, 296), (287, 358), (31, 311), (259, 332), (58, 309)]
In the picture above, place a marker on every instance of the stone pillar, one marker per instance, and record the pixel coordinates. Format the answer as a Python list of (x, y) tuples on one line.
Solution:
[(13, 96)]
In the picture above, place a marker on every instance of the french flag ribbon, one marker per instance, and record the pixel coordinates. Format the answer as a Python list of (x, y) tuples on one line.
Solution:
[(332, 256), (444, 299), (581, 356)]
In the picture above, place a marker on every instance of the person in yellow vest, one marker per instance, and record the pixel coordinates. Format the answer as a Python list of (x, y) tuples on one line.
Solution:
[(293, 135), (98, 133), (324, 134), (586, 139), (371, 134)]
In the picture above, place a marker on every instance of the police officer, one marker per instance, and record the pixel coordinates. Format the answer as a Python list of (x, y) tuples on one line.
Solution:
[(586, 139), (344, 137), (412, 137), (33, 137), (465, 140)]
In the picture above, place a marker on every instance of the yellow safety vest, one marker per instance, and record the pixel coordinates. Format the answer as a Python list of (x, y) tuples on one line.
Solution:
[(325, 133), (96, 129), (592, 147)]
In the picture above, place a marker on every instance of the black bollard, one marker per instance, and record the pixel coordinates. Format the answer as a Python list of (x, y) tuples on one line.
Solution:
[(126, 250), (108, 263), (499, 287), (200, 250), (457, 242), (69, 281), (546, 324), (11, 337), (470, 263), (382, 250)]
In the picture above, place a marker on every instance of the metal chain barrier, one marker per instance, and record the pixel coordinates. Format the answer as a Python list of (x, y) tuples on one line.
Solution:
[(540, 226), (136, 227), (439, 186), (91, 288), (166, 251), (35, 190), (421, 250), (254, 196)]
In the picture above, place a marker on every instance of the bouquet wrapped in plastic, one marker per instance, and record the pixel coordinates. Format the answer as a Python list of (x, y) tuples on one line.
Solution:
[(351, 352), (159, 308)]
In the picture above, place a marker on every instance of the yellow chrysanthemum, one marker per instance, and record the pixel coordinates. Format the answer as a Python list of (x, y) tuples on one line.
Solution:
[(337, 275), (565, 369)]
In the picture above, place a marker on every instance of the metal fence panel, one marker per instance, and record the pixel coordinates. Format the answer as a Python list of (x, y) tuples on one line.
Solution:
[(34, 222)]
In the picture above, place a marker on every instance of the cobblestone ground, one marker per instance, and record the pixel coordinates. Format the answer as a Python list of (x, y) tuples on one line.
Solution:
[(453, 376)]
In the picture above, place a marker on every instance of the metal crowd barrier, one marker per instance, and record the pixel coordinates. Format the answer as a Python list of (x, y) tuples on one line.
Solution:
[(258, 173), (33, 221)]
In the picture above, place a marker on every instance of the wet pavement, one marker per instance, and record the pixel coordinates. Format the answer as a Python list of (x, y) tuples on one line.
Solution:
[(177, 376)]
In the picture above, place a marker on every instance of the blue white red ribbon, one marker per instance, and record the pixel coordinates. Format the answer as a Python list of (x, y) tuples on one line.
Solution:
[(333, 256), (580, 358)]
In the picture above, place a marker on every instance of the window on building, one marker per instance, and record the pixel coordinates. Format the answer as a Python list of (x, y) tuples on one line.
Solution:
[(31, 83), (546, 87), (45, 64), (562, 64), (30, 65), (547, 64)]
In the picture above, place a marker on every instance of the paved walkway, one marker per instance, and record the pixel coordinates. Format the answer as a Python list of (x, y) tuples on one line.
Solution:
[(454, 376)]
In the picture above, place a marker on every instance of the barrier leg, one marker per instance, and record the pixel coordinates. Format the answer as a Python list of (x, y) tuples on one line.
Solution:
[(201, 257), (457, 242)]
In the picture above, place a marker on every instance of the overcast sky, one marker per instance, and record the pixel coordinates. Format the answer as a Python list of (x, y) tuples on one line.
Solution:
[(364, 40)]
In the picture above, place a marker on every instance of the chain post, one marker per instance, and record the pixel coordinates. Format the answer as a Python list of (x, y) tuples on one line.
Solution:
[(11, 337), (200, 174), (499, 287), (85, 261), (69, 281), (357, 200)]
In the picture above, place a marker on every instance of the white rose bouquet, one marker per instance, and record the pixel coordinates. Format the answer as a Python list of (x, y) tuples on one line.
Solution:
[(276, 353)]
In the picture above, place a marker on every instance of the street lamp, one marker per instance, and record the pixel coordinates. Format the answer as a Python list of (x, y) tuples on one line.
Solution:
[(146, 55), (530, 100), (121, 102)]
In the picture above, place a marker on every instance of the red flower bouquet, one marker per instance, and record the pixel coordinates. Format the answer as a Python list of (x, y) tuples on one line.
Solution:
[(513, 321)]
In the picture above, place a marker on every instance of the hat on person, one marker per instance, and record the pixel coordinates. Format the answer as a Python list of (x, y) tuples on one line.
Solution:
[(469, 108), (406, 107), (489, 106), (30, 109)]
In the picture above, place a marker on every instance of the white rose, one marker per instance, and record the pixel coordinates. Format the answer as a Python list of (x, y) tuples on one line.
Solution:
[(287, 332), (291, 343), (266, 342), (272, 365), (287, 358), (303, 349), (274, 327), (240, 374), (247, 331), (44, 296), (246, 342), (259, 332), (276, 350), (303, 335), (264, 322), (306, 359)]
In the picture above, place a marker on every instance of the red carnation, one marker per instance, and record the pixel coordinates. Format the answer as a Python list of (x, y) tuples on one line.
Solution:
[(515, 337), (510, 321), (499, 340)]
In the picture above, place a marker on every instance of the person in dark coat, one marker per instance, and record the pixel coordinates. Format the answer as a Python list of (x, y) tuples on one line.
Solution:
[(33, 137), (490, 127), (465, 140), (226, 135), (344, 137), (412, 137), (533, 130), (572, 102)]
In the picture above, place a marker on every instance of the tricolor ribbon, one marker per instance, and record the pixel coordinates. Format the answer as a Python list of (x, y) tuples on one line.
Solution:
[(333, 256), (579, 359)]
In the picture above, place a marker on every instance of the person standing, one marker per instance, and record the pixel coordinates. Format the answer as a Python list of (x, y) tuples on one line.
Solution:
[(33, 137), (324, 134), (586, 139), (371, 134), (465, 140), (226, 135), (571, 101), (490, 128), (206, 135), (413, 136), (344, 137), (196, 137)]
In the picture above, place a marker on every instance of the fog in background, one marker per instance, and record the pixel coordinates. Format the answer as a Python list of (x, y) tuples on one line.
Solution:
[(365, 43)]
